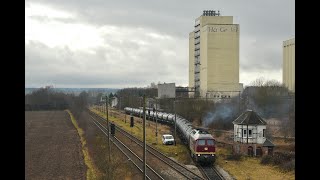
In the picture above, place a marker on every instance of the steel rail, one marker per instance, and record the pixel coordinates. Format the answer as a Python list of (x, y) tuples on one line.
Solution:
[(180, 169), (127, 148)]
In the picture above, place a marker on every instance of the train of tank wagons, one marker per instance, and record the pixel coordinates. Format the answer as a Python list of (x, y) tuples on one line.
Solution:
[(200, 143)]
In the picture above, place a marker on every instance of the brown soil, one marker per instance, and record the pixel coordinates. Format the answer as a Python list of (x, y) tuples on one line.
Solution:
[(52, 147)]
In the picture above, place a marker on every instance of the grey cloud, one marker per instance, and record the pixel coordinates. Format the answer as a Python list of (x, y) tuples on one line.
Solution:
[(268, 57), (267, 18), (46, 19), (268, 22), (107, 66)]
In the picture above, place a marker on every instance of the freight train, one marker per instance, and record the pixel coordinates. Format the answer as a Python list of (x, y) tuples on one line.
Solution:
[(200, 143)]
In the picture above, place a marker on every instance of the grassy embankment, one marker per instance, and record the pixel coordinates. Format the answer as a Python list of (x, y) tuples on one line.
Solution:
[(179, 152), (247, 168), (92, 172), (250, 168)]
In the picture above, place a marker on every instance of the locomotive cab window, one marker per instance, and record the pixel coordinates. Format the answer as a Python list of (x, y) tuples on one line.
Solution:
[(210, 142), (201, 142)]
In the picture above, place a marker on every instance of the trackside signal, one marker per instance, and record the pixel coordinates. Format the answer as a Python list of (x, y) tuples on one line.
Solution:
[(131, 121), (113, 129)]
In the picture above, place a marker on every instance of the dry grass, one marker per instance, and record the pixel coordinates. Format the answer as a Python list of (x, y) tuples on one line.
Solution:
[(179, 152), (250, 168), (92, 171)]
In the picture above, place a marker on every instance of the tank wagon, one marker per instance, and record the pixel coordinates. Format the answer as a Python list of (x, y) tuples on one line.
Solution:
[(200, 143)]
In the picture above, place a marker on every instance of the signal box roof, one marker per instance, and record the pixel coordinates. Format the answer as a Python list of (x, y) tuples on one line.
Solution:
[(249, 117)]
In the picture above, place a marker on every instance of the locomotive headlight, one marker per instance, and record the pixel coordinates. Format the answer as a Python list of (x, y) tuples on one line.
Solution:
[(212, 154), (198, 154)]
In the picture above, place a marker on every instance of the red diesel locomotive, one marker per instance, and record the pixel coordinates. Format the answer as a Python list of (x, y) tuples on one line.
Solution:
[(202, 146)]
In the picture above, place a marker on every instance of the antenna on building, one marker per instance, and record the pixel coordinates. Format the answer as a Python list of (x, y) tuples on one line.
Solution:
[(210, 13)]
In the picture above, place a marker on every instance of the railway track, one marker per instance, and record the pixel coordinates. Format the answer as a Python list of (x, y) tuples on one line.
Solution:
[(171, 163), (179, 168), (208, 172), (135, 159)]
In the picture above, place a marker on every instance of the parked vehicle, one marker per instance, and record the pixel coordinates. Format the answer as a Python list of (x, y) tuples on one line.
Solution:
[(167, 139)]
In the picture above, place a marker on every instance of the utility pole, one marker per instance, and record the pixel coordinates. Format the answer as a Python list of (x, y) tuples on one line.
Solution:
[(144, 137), (175, 121), (156, 125), (109, 147), (239, 103), (149, 113), (207, 98), (130, 100)]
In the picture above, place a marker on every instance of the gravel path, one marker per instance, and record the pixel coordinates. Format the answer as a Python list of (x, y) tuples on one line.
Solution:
[(52, 147)]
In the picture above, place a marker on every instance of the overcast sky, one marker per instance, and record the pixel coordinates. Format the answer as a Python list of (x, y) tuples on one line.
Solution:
[(125, 43)]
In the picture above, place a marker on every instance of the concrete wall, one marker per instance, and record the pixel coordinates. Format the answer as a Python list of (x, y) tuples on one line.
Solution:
[(204, 20), (222, 57), (219, 55), (288, 72)]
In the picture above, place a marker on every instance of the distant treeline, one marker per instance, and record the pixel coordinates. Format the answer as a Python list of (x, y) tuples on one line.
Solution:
[(48, 99), (269, 99), (76, 91)]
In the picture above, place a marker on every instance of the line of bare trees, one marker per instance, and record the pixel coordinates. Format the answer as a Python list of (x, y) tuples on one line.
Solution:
[(269, 98), (48, 99)]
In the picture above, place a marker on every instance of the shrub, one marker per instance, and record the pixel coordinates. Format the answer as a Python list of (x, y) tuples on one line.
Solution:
[(285, 160), (266, 159), (218, 133), (282, 157), (288, 166), (234, 157)]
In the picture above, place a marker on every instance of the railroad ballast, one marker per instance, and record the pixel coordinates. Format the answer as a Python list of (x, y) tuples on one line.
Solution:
[(200, 143)]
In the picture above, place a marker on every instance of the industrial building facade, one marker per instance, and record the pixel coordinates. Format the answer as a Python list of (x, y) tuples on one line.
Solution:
[(288, 66), (214, 56)]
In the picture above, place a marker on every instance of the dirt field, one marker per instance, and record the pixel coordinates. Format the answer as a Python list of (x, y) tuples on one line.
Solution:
[(52, 147)]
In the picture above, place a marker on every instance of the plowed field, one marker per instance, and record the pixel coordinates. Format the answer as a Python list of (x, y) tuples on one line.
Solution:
[(52, 147)]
